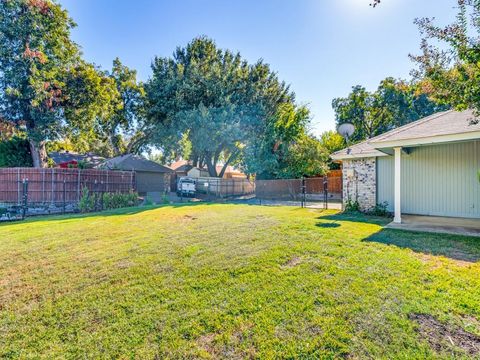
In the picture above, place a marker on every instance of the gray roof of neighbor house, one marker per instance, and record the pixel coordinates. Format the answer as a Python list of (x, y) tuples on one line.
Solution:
[(60, 157), (441, 127), (131, 162)]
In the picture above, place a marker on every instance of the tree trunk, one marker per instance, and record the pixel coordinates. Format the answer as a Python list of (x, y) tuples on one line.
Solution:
[(212, 168), (232, 156), (39, 153)]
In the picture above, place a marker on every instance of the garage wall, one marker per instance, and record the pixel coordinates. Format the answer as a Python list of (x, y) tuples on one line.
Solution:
[(436, 180), (152, 182)]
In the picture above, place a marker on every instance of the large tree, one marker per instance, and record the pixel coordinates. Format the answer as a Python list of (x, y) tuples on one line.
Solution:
[(216, 100), (122, 127), (44, 85), (394, 103)]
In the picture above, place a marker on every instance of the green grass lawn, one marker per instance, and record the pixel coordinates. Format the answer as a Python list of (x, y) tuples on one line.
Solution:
[(233, 281)]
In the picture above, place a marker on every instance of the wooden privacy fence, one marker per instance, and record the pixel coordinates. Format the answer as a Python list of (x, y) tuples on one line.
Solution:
[(60, 185)]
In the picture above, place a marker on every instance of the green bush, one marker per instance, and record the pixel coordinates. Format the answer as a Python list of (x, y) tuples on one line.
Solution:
[(380, 210), (15, 153), (352, 206), (108, 200), (119, 200), (87, 201)]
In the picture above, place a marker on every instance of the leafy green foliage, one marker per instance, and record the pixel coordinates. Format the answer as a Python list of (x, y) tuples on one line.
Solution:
[(393, 104), (352, 206), (449, 69), (15, 153), (305, 157), (332, 141), (276, 152), (47, 88), (226, 108), (87, 201), (90, 202), (119, 200), (380, 210)]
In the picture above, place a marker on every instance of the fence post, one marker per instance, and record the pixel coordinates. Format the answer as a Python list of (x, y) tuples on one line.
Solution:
[(304, 188), (25, 198), (43, 187), (78, 185), (18, 186), (131, 181), (64, 195), (53, 188), (325, 191)]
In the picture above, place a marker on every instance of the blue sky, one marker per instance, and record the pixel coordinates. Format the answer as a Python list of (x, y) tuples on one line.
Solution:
[(320, 47)]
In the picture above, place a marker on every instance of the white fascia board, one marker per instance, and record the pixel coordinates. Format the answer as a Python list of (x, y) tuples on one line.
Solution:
[(430, 140), (357, 156)]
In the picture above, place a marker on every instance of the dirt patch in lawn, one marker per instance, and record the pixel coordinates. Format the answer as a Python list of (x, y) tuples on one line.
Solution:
[(292, 262), (446, 338), (206, 343), (189, 218)]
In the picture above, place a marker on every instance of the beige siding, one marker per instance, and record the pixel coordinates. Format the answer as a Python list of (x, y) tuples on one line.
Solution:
[(436, 180)]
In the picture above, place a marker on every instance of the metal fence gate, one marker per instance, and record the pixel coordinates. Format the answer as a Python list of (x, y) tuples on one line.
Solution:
[(323, 192)]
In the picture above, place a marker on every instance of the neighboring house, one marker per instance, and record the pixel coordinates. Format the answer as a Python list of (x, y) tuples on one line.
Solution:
[(67, 159), (180, 168), (196, 172), (428, 167), (230, 172), (150, 177)]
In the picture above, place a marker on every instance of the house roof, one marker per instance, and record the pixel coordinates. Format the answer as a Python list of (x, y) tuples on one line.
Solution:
[(134, 162), (181, 166), (445, 123), (443, 127), (67, 156), (360, 150)]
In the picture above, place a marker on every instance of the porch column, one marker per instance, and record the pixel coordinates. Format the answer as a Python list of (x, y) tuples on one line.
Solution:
[(398, 185)]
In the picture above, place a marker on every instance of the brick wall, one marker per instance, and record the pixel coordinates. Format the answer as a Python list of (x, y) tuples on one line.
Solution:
[(359, 182)]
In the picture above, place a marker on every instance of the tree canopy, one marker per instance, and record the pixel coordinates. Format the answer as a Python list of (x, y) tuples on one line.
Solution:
[(45, 86), (448, 67), (394, 103), (221, 105)]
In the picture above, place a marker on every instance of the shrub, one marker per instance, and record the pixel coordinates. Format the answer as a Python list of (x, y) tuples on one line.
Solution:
[(380, 210), (15, 153), (87, 201), (119, 200), (352, 206)]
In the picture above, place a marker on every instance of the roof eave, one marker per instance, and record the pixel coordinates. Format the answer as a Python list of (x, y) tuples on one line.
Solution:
[(357, 156), (429, 140)]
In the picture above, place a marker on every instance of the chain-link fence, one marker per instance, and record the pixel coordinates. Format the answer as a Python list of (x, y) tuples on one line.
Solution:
[(316, 192), (324, 192)]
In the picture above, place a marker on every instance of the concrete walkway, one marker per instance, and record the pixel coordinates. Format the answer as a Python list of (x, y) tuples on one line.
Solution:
[(437, 224)]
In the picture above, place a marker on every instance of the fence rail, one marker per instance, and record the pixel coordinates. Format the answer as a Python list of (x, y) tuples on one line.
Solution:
[(224, 188), (60, 185)]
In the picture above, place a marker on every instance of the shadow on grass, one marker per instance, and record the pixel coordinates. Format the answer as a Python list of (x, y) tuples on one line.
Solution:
[(455, 247), (331, 225), (356, 217)]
